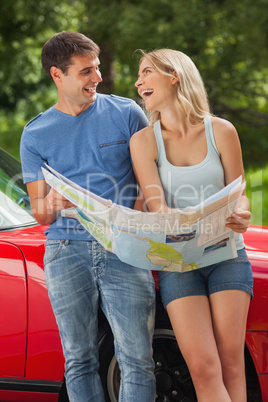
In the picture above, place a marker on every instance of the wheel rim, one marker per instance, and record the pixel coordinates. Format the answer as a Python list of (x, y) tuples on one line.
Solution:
[(173, 380)]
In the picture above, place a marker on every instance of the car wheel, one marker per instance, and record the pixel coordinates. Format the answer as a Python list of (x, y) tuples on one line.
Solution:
[(173, 381)]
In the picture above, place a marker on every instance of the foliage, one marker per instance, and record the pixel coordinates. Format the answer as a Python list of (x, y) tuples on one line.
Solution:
[(227, 40), (257, 192)]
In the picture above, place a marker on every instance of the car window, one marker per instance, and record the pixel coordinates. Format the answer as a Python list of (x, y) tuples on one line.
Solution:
[(15, 209)]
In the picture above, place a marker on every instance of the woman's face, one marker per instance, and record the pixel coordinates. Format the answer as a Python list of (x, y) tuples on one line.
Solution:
[(154, 87)]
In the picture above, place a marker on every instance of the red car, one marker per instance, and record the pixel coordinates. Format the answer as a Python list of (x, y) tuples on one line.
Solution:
[(31, 360)]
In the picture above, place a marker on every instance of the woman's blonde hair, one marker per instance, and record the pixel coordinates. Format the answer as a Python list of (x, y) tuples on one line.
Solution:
[(191, 93)]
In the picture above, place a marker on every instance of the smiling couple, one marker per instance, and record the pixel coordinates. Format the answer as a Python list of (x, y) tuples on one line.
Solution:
[(91, 133)]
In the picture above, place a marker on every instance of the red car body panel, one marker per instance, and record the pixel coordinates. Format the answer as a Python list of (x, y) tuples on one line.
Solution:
[(13, 302), (30, 324), (30, 347), (256, 240), (15, 396)]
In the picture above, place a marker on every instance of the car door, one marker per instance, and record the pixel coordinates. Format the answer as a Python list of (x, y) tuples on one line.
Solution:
[(13, 311)]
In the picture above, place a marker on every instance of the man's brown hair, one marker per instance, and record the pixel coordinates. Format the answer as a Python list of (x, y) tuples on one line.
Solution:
[(59, 50)]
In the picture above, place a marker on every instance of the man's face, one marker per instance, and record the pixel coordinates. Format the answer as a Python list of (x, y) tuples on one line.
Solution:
[(78, 85)]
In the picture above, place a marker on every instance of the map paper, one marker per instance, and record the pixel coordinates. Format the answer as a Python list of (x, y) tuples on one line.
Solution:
[(178, 241)]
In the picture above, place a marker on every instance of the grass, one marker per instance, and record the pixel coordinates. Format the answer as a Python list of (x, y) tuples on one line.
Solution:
[(257, 192)]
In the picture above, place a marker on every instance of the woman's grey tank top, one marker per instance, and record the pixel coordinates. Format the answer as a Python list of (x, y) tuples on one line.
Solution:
[(189, 185)]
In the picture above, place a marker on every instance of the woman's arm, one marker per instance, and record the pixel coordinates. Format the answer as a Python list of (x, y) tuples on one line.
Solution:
[(228, 145), (144, 154)]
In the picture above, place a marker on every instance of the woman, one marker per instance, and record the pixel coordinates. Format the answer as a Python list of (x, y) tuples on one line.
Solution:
[(184, 156)]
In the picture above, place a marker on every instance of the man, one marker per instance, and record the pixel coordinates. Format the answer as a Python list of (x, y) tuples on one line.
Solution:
[(85, 136)]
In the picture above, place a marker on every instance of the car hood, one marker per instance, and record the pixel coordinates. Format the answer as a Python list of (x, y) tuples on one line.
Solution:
[(24, 235)]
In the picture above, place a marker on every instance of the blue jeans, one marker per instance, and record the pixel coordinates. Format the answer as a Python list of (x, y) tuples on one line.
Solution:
[(80, 277)]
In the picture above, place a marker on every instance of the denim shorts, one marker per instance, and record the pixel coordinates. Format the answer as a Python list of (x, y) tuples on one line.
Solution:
[(235, 273)]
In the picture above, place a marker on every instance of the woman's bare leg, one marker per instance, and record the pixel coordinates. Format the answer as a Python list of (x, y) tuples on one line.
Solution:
[(191, 321), (229, 311)]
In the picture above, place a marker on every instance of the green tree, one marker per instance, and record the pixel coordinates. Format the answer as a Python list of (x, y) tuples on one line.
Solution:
[(25, 89), (227, 40)]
